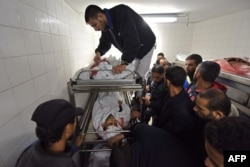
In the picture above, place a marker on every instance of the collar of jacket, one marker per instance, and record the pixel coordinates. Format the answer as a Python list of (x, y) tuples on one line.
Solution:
[(110, 23)]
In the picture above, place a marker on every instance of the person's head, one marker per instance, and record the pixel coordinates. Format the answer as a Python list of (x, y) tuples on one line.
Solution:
[(163, 62), (160, 55), (157, 73), (55, 120), (95, 17), (212, 104), (226, 134), (175, 76), (191, 62), (208, 71)]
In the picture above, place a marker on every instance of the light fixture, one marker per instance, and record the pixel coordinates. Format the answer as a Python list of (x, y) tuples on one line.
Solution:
[(162, 17)]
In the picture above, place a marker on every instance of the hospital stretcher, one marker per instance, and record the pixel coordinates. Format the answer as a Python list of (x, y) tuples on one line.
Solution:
[(93, 86)]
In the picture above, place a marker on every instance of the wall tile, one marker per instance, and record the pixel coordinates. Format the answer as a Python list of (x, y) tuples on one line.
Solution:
[(32, 42), (53, 25), (11, 42), (29, 2), (56, 42), (37, 65), (59, 10), (58, 59), (9, 14), (51, 7), (28, 16), (24, 95), (18, 70), (41, 5), (41, 85), (26, 115), (4, 84), (53, 83), (43, 22), (13, 133), (49, 62), (66, 59), (64, 41), (2, 163), (46, 41), (8, 107)]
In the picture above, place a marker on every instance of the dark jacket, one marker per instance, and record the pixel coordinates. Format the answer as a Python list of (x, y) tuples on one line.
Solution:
[(158, 92), (157, 147), (177, 115), (36, 156), (128, 32)]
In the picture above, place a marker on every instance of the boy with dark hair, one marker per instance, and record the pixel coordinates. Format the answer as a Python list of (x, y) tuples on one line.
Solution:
[(56, 124)]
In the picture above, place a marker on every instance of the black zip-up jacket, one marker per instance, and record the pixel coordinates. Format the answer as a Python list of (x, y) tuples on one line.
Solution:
[(128, 32)]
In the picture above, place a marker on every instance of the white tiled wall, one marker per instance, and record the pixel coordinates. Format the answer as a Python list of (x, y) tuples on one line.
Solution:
[(223, 37), (172, 39), (42, 44)]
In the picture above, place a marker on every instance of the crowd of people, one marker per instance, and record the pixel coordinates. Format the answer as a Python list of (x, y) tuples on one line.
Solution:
[(192, 119)]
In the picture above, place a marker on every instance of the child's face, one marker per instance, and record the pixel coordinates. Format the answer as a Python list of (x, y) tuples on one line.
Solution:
[(109, 121)]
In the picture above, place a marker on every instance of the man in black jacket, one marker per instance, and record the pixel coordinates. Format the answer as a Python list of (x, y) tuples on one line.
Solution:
[(127, 31), (56, 122)]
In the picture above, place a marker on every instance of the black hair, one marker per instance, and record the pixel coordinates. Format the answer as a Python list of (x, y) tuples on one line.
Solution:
[(92, 12), (217, 100), (161, 54), (229, 133), (48, 137), (209, 70), (196, 57), (176, 75), (158, 69)]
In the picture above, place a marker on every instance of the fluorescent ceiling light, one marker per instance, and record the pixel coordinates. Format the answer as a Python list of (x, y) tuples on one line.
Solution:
[(160, 18)]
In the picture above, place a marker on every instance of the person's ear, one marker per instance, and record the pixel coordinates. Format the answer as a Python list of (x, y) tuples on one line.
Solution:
[(167, 82), (198, 74), (218, 115), (100, 16), (68, 130)]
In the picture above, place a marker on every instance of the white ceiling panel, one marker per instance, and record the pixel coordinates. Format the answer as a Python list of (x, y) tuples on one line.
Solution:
[(198, 10)]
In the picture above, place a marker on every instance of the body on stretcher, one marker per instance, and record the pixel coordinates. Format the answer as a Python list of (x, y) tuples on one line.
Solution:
[(102, 71), (109, 115), (118, 114)]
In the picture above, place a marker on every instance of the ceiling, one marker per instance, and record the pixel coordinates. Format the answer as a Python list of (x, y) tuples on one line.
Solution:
[(198, 10)]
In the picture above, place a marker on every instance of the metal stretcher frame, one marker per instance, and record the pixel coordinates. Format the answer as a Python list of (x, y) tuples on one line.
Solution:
[(94, 86), (105, 85), (237, 85)]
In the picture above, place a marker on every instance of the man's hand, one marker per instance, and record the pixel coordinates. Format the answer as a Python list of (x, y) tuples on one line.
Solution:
[(119, 68), (146, 100), (115, 140), (79, 140), (97, 58), (147, 88)]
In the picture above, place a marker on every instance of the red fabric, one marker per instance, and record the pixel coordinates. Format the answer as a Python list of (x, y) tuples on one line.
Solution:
[(217, 85), (235, 66)]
